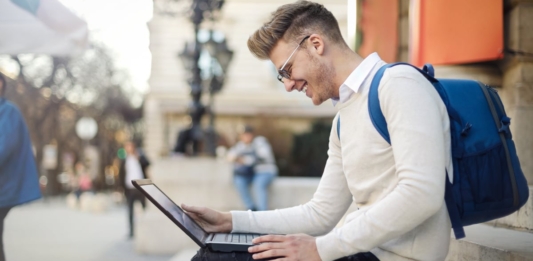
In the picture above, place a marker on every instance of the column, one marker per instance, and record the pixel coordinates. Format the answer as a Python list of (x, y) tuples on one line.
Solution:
[(517, 70)]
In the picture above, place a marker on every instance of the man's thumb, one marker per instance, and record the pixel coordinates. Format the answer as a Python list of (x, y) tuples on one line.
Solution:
[(189, 208)]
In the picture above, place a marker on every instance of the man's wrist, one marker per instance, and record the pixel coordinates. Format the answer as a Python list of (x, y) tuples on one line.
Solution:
[(228, 221)]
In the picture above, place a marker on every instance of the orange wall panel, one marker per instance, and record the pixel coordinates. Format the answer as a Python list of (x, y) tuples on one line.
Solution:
[(456, 31), (378, 28)]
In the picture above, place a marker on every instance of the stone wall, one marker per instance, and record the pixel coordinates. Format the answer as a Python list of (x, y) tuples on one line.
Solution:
[(517, 70)]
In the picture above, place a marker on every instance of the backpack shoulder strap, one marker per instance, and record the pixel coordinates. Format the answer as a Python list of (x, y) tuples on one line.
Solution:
[(339, 127), (376, 115), (374, 108)]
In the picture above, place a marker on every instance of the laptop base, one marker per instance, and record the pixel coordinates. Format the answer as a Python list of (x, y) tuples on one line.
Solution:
[(221, 247)]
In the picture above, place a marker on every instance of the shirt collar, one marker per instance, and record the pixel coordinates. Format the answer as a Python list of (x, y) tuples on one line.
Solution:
[(355, 80)]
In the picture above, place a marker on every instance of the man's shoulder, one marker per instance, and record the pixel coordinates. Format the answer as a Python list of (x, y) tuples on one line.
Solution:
[(403, 71), (403, 75), (10, 112), (144, 158), (260, 140), (8, 106)]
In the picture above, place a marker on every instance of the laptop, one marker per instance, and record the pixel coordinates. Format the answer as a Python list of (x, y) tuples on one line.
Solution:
[(222, 242)]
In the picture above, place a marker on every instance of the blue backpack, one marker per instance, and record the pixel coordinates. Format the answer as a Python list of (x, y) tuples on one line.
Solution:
[(488, 181)]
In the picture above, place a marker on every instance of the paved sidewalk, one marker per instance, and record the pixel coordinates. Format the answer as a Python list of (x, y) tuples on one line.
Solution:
[(50, 231)]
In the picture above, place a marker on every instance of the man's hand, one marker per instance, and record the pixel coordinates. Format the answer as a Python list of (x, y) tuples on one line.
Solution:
[(299, 247), (239, 160), (210, 220)]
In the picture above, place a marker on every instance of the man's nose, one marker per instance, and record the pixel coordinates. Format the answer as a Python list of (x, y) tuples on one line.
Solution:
[(289, 84)]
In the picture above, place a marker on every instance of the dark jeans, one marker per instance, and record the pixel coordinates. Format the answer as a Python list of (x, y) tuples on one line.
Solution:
[(359, 257), (205, 254), (133, 195), (3, 214)]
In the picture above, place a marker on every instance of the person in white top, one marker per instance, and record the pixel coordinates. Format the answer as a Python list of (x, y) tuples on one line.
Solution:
[(132, 167), (398, 189)]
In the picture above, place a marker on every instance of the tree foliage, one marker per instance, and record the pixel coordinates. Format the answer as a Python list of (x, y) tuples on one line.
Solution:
[(54, 92)]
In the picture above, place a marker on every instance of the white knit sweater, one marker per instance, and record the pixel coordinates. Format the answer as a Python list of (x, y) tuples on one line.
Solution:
[(399, 190)]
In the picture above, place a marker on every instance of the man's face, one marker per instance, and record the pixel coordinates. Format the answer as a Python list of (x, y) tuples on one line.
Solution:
[(129, 147), (247, 137), (310, 72)]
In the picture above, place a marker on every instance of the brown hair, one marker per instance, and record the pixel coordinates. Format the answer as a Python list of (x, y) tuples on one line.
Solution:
[(291, 22)]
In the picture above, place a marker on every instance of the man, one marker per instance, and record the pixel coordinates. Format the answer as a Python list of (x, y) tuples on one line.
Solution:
[(133, 167), (18, 173), (254, 164), (398, 189)]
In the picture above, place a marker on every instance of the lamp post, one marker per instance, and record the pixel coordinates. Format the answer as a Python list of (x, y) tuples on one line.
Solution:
[(207, 58), (217, 58)]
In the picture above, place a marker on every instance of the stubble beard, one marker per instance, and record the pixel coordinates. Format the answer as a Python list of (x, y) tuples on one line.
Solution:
[(324, 87)]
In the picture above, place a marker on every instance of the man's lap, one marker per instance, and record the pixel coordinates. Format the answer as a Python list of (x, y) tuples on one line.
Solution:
[(205, 254)]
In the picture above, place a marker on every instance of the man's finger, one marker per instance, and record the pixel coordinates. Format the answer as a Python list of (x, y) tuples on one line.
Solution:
[(264, 247), (193, 215), (190, 213), (270, 253), (194, 209), (269, 238)]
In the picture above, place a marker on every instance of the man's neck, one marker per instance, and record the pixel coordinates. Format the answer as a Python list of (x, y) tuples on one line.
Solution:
[(345, 63)]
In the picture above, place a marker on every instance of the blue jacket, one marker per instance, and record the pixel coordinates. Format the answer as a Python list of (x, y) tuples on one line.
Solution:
[(18, 173)]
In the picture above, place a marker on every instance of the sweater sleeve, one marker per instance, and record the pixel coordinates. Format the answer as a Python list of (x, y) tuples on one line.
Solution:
[(414, 114), (318, 216)]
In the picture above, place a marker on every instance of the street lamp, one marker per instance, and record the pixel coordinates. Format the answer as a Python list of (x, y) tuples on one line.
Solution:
[(214, 66), (207, 58)]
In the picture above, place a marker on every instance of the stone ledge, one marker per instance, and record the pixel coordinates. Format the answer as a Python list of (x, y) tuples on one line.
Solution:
[(185, 255), (488, 243), (519, 220)]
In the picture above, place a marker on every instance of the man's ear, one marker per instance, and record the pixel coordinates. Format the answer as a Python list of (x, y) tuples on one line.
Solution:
[(317, 41)]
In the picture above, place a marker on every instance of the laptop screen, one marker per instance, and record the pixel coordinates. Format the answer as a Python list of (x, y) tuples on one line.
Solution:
[(175, 211)]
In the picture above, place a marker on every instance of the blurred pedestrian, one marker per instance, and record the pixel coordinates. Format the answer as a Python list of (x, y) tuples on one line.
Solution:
[(18, 173), (84, 182), (253, 165), (134, 166), (265, 171)]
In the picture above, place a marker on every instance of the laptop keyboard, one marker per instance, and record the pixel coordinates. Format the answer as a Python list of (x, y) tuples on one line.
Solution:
[(235, 238)]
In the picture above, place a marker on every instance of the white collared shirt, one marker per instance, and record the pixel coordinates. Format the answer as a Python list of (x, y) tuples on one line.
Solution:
[(355, 80)]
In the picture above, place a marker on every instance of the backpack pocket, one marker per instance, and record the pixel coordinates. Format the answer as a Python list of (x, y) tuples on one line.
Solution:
[(485, 177)]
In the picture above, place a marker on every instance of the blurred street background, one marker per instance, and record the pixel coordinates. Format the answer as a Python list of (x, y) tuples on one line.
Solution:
[(176, 78), (49, 230)]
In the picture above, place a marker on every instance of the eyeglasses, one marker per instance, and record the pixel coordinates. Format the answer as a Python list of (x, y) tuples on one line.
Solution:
[(282, 73)]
